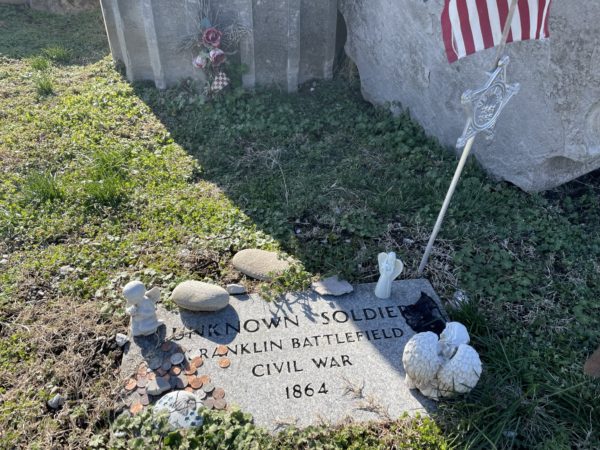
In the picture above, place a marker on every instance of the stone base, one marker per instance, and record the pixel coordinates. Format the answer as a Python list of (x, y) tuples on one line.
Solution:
[(306, 360)]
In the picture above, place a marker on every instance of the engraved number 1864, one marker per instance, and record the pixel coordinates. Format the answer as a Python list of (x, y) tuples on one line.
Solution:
[(296, 391)]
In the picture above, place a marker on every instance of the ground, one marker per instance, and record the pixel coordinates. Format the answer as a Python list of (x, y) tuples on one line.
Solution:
[(104, 181)]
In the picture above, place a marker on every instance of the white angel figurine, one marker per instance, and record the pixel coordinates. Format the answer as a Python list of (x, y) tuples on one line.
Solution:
[(141, 306), (389, 268)]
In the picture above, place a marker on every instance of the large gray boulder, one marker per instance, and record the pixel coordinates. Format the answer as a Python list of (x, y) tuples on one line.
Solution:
[(548, 134)]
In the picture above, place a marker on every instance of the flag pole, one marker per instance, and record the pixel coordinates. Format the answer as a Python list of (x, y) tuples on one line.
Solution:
[(466, 151)]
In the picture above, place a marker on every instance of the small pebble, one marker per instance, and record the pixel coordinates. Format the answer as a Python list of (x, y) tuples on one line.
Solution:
[(56, 402), (235, 289)]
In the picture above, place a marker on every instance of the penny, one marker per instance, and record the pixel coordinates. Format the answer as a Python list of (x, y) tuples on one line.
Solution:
[(195, 382), (166, 346), (136, 408), (198, 361), (142, 382), (142, 369), (161, 372), (222, 350), (209, 387), (189, 389), (209, 403), (190, 370), (175, 370), (166, 377), (166, 365), (131, 384), (224, 363), (177, 358), (144, 399), (205, 379), (220, 404), (218, 393)]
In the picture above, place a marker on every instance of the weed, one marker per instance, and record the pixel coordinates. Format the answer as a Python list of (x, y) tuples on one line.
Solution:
[(39, 63), (44, 85), (42, 187), (58, 54)]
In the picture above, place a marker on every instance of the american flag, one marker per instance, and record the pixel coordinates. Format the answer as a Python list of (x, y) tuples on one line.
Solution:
[(469, 26)]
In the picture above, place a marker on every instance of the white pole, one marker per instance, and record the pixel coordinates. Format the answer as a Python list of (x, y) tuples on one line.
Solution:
[(440, 219)]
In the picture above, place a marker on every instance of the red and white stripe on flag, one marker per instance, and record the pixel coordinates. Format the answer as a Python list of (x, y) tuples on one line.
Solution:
[(469, 26)]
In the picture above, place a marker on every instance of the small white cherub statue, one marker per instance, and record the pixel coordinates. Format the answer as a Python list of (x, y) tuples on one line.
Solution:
[(141, 306), (389, 268)]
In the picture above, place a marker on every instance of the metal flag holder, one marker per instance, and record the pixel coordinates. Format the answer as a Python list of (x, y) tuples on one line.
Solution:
[(484, 107)]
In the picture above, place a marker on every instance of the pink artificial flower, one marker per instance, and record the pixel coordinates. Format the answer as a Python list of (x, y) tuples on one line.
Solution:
[(212, 37), (200, 61), (217, 56)]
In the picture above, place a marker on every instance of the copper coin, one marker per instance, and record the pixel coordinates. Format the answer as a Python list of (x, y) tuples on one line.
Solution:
[(198, 361), (189, 389), (191, 369), (142, 369), (166, 365), (166, 346), (131, 384), (175, 370), (144, 399), (220, 404), (142, 382), (161, 372), (136, 408), (205, 379), (209, 403), (218, 393), (151, 376), (208, 387), (222, 350), (224, 363), (195, 382)]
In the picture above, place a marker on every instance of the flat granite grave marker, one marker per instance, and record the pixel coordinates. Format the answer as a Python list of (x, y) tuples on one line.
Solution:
[(304, 360)]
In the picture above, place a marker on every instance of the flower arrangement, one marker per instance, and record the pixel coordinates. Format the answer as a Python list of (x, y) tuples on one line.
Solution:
[(212, 46)]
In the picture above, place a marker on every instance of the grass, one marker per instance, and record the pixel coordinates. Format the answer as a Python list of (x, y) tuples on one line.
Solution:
[(103, 182)]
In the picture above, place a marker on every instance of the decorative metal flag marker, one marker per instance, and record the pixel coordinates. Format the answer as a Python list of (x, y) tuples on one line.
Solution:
[(485, 106)]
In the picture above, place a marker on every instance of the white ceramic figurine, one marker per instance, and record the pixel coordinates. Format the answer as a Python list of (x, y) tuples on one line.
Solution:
[(389, 268), (141, 306)]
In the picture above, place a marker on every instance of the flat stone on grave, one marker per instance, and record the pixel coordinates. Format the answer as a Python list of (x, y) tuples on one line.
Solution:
[(305, 360)]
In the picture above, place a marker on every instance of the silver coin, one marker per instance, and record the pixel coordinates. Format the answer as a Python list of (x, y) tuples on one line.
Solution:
[(154, 362), (200, 394), (177, 358), (208, 387)]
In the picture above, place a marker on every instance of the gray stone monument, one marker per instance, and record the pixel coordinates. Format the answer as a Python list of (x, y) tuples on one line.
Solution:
[(289, 41), (305, 360)]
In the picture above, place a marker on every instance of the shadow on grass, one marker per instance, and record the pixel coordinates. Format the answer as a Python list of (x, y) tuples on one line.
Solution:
[(70, 39)]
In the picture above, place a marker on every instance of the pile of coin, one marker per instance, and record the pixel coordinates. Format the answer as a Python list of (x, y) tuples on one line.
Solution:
[(173, 371)]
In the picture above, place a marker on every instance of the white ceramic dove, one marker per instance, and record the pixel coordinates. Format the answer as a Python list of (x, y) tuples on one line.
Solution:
[(389, 268)]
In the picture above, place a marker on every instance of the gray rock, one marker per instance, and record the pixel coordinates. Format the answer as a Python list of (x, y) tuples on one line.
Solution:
[(548, 134), (182, 409), (332, 286), (199, 296), (121, 339), (260, 264), (236, 289), (56, 402)]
